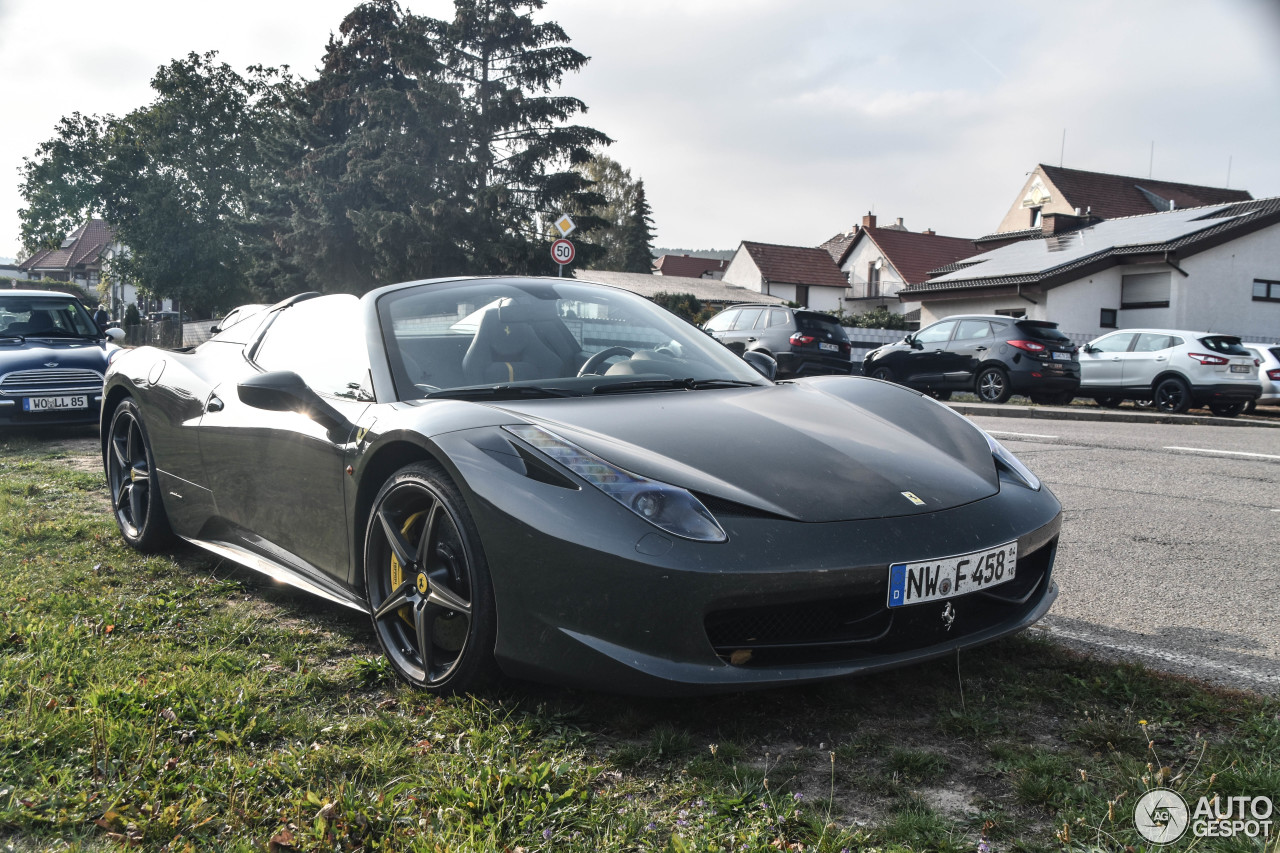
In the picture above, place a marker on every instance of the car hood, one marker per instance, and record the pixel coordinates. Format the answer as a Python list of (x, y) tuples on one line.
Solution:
[(36, 354), (819, 450)]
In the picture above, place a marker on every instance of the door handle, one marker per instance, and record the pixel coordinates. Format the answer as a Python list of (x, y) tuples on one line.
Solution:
[(214, 404), (751, 340), (1159, 358), (980, 349)]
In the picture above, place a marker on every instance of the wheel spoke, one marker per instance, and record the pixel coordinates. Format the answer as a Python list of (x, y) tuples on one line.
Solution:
[(399, 598), (118, 450), (424, 615), (441, 596), (123, 495), (129, 450), (428, 533), (399, 546), (137, 505)]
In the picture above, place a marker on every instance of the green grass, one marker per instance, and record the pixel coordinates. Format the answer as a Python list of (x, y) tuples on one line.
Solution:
[(178, 703)]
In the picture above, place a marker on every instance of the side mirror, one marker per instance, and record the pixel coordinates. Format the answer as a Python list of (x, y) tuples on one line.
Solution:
[(767, 367), (116, 335), (285, 391), (911, 339), (1088, 348)]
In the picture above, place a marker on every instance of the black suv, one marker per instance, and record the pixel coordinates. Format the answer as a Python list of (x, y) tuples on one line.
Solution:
[(804, 343), (990, 355)]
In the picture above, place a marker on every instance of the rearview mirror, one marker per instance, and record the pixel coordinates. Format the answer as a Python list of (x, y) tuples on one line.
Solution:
[(285, 391), (765, 364)]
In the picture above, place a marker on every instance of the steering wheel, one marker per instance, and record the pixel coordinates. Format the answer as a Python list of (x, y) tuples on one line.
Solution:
[(592, 365)]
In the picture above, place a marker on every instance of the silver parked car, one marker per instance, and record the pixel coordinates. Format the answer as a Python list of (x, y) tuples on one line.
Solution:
[(1174, 369), (1268, 357)]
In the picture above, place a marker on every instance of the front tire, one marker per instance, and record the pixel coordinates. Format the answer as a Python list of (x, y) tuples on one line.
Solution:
[(133, 482), (1172, 396), (884, 374), (428, 584), (992, 385)]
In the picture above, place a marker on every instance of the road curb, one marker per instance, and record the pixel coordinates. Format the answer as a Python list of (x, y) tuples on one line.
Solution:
[(1073, 413)]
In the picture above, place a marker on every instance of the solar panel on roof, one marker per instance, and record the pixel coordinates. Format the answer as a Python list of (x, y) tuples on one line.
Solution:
[(1038, 256)]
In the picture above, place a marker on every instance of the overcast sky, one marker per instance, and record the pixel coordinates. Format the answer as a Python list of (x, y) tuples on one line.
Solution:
[(773, 120)]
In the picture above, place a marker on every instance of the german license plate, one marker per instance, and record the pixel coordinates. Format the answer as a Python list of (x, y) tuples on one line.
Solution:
[(1062, 356), (930, 580), (1239, 368), (55, 404), (829, 347)]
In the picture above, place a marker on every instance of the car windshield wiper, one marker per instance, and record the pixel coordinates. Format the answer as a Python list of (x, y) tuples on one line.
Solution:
[(9, 336), (499, 392), (689, 384)]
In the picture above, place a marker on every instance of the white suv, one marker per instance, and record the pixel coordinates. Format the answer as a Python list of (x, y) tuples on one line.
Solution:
[(1268, 356), (1174, 369)]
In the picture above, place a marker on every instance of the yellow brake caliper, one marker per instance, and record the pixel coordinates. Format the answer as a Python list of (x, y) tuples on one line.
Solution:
[(397, 571)]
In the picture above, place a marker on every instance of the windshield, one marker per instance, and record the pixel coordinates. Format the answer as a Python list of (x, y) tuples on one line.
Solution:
[(531, 336), (823, 325), (45, 316)]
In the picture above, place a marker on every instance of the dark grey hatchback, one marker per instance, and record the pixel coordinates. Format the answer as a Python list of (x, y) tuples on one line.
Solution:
[(804, 343), (990, 355)]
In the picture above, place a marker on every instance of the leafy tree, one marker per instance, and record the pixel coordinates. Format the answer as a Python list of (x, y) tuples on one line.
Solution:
[(626, 221), (171, 177), (518, 144)]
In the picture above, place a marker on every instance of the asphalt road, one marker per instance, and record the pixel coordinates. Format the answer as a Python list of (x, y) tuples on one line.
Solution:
[(1170, 550)]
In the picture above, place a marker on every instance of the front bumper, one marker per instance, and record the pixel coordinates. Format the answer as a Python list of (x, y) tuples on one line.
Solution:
[(588, 594)]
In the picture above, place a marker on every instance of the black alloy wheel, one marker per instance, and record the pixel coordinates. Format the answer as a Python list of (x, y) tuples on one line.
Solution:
[(131, 477), (1227, 410), (992, 385), (882, 373), (1172, 396), (1109, 402), (427, 583)]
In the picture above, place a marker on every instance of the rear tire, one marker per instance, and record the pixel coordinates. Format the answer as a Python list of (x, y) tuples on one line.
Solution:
[(1172, 396), (134, 484), (427, 583), (992, 385), (1226, 410)]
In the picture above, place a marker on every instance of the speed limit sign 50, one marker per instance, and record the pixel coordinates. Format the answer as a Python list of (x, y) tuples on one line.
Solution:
[(562, 252)]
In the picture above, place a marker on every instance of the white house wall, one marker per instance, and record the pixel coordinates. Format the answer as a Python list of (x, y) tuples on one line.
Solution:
[(1216, 295), (742, 271), (855, 269)]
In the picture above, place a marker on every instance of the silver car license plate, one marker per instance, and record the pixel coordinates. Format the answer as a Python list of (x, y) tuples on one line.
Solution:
[(947, 577)]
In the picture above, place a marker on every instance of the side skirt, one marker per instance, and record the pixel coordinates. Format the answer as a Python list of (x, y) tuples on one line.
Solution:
[(280, 573)]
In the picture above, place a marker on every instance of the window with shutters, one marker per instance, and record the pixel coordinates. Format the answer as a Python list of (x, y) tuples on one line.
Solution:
[(1145, 290)]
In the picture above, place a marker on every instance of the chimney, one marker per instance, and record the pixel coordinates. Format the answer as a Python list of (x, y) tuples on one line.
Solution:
[(899, 224), (869, 221), (929, 232), (1059, 223)]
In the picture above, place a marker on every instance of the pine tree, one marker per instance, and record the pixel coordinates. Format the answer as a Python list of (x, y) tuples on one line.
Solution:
[(638, 234), (515, 132)]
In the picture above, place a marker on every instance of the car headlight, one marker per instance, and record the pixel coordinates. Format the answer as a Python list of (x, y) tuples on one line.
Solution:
[(669, 508), (1010, 462)]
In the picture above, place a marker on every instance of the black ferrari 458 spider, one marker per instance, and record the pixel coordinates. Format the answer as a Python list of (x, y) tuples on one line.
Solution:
[(561, 480)]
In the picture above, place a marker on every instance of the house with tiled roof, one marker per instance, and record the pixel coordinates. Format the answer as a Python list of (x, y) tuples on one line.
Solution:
[(879, 261), (709, 291), (801, 274), (690, 266), (1076, 192), (1213, 268), (79, 259)]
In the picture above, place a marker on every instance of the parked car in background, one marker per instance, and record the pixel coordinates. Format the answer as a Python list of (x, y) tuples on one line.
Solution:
[(1175, 369), (993, 356), (53, 357), (802, 342), (1268, 358)]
